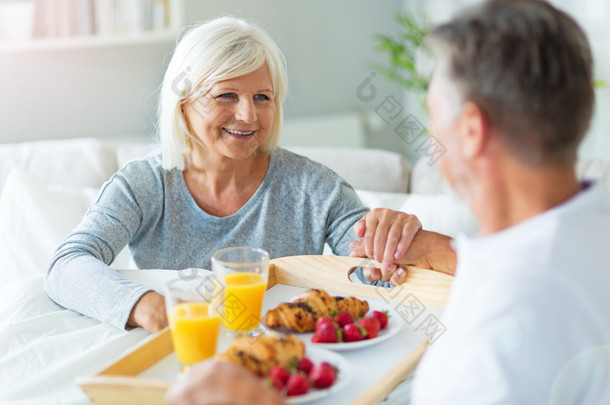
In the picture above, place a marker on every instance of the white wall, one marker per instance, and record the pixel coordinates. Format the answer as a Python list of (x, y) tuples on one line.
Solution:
[(327, 44), (99, 92), (110, 91), (593, 16)]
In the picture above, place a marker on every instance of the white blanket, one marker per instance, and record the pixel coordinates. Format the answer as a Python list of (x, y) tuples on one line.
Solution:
[(44, 347)]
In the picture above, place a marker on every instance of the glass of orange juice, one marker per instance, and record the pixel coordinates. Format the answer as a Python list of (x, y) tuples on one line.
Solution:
[(244, 272), (191, 303)]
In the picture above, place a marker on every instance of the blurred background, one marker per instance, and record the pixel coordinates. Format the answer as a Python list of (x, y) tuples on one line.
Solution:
[(92, 68)]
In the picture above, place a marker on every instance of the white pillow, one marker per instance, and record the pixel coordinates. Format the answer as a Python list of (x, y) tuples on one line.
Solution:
[(367, 169), (130, 151), (34, 219), (438, 212), (81, 162)]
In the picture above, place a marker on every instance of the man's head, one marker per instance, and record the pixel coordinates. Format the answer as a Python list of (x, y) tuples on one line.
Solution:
[(525, 68)]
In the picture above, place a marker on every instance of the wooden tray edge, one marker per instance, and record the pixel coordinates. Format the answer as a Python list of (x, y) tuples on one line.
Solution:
[(119, 390), (389, 381)]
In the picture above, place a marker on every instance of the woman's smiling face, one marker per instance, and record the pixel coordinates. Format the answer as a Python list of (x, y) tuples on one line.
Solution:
[(235, 117)]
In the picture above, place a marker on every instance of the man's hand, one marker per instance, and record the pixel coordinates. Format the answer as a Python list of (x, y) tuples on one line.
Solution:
[(428, 250), (219, 382), (387, 234), (149, 312)]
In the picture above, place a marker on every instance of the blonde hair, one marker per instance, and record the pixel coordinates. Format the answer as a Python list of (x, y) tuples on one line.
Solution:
[(218, 50)]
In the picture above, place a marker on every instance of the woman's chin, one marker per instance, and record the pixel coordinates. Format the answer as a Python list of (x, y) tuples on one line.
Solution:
[(241, 154), (242, 150)]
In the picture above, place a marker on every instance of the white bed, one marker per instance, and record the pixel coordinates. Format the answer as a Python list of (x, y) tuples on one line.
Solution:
[(44, 346), (46, 188)]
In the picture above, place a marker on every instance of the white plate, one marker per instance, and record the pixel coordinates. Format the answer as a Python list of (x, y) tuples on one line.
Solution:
[(317, 355), (390, 330)]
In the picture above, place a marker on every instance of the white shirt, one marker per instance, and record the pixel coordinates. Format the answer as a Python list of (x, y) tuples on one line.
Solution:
[(528, 318)]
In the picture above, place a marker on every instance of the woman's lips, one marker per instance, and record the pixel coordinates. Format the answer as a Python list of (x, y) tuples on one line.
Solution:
[(238, 134)]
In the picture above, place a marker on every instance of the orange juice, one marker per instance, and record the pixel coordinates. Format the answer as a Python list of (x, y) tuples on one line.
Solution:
[(243, 301), (194, 332)]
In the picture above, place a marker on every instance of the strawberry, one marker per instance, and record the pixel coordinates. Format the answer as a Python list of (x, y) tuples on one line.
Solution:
[(371, 325), (343, 318), (322, 320), (382, 317), (322, 375), (305, 365), (325, 334), (275, 382), (278, 376), (353, 332), (297, 385)]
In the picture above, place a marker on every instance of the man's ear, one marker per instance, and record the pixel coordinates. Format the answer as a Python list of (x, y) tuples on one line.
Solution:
[(473, 129)]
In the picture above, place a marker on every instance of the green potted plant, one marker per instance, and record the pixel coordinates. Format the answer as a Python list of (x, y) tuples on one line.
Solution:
[(403, 52)]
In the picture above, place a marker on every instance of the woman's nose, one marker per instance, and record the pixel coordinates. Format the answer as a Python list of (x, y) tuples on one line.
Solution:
[(245, 111)]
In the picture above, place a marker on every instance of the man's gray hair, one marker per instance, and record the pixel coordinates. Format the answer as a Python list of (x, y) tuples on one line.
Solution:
[(528, 66)]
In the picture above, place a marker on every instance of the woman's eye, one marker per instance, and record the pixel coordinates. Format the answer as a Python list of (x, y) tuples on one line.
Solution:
[(261, 97), (226, 96)]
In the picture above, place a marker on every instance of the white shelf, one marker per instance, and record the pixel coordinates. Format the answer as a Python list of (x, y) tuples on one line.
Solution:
[(94, 41), (167, 35)]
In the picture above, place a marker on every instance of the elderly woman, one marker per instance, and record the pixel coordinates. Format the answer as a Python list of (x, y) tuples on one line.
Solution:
[(219, 181)]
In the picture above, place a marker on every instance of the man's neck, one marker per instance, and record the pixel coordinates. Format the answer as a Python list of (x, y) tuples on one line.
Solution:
[(512, 192)]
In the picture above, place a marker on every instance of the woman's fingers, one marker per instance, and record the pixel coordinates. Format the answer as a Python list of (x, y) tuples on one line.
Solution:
[(386, 237), (371, 274), (395, 275), (371, 222), (359, 227), (387, 234), (357, 247), (380, 237), (392, 242), (408, 232), (399, 276)]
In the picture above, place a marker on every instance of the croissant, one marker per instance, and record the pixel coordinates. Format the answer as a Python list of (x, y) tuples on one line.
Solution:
[(320, 301), (355, 307), (298, 316), (259, 354), (305, 308)]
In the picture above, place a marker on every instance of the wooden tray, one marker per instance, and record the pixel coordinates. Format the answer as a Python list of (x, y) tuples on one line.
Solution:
[(118, 384)]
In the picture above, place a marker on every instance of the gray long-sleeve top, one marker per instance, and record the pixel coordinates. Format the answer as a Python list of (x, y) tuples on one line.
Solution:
[(298, 207)]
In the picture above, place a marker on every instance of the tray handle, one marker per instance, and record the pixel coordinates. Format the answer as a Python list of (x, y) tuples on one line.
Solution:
[(332, 273)]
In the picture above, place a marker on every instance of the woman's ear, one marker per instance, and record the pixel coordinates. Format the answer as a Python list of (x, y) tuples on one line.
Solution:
[(184, 106), (474, 131)]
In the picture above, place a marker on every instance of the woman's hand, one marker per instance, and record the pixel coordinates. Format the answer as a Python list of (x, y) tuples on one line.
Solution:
[(387, 234), (149, 312), (428, 250), (220, 382)]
